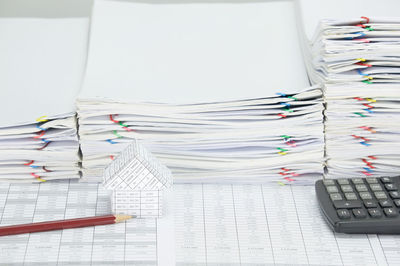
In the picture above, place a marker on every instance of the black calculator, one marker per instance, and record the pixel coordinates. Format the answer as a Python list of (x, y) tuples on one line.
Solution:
[(361, 205)]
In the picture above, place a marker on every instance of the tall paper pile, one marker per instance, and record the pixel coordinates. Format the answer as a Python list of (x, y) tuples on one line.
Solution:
[(217, 99), (41, 66), (359, 62)]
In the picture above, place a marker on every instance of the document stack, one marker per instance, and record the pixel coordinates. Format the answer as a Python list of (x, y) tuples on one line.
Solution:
[(359, 61), (360, 50), (41, 60), (211, 98)]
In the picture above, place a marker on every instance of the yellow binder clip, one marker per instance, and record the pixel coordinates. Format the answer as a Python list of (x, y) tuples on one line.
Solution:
[(42, 119)]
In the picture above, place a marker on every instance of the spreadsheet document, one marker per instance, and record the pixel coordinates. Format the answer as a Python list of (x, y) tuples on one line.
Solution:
[(136, 242), (206, 225), (266, 225)]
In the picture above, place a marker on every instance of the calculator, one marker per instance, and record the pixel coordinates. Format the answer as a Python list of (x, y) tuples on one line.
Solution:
[(360, 205)]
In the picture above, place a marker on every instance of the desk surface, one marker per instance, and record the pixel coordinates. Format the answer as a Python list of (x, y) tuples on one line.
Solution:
[(213, 225)]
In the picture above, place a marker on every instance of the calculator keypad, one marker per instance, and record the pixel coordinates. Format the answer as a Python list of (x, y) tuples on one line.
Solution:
[(360, 198)]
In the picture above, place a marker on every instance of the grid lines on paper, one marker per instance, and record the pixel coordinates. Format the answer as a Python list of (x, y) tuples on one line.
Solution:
[(266, 225), (129, 243)]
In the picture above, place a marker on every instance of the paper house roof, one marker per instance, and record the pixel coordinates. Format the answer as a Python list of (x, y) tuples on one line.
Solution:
[(136, 169)]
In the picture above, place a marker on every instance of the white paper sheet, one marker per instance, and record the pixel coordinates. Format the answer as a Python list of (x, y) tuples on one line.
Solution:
[(192, 52), (41, 59)]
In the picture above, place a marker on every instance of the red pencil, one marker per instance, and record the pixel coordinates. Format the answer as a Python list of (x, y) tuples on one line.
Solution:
[(62, 224)]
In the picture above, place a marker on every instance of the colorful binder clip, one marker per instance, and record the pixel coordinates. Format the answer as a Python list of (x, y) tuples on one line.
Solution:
[(42, 119), (124, 126)]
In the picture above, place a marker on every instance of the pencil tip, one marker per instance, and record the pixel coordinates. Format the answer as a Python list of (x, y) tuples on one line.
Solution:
[(123, 217)]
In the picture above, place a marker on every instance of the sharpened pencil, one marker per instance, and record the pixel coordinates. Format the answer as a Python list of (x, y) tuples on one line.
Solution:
[(62, 224)]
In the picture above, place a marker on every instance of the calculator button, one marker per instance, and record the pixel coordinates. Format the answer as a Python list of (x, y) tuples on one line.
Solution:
[(335, 196), (390, 186), (394, 194), (380, 195), (359, 213), (386, 179), (343, 181), (375, 213), (350, 196), (357, 181), (385, 203), (343, 214), (361, 188), (372, 180), (365, 195), (329, 182), (332, 189), (370, 203), (346, 188), (347, 204), (376, 187), (390, 212), (397, 202)]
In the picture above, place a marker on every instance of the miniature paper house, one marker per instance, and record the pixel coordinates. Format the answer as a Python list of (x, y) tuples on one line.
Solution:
[(138, 182)]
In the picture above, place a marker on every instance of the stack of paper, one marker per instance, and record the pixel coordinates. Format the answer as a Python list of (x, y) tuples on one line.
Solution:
[(217, 99), (361, 50), (359, 62), (327, 24), (40, 76), (362, 129), (248, 139)]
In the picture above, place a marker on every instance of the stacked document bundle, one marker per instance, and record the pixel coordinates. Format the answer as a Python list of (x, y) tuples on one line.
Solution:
[(360, 62), (362, 129), (204, 96), (360, 50), (38, 128), (273, 137)]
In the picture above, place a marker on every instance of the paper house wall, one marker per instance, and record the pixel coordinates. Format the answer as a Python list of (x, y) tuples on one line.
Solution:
[(138, 182)]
